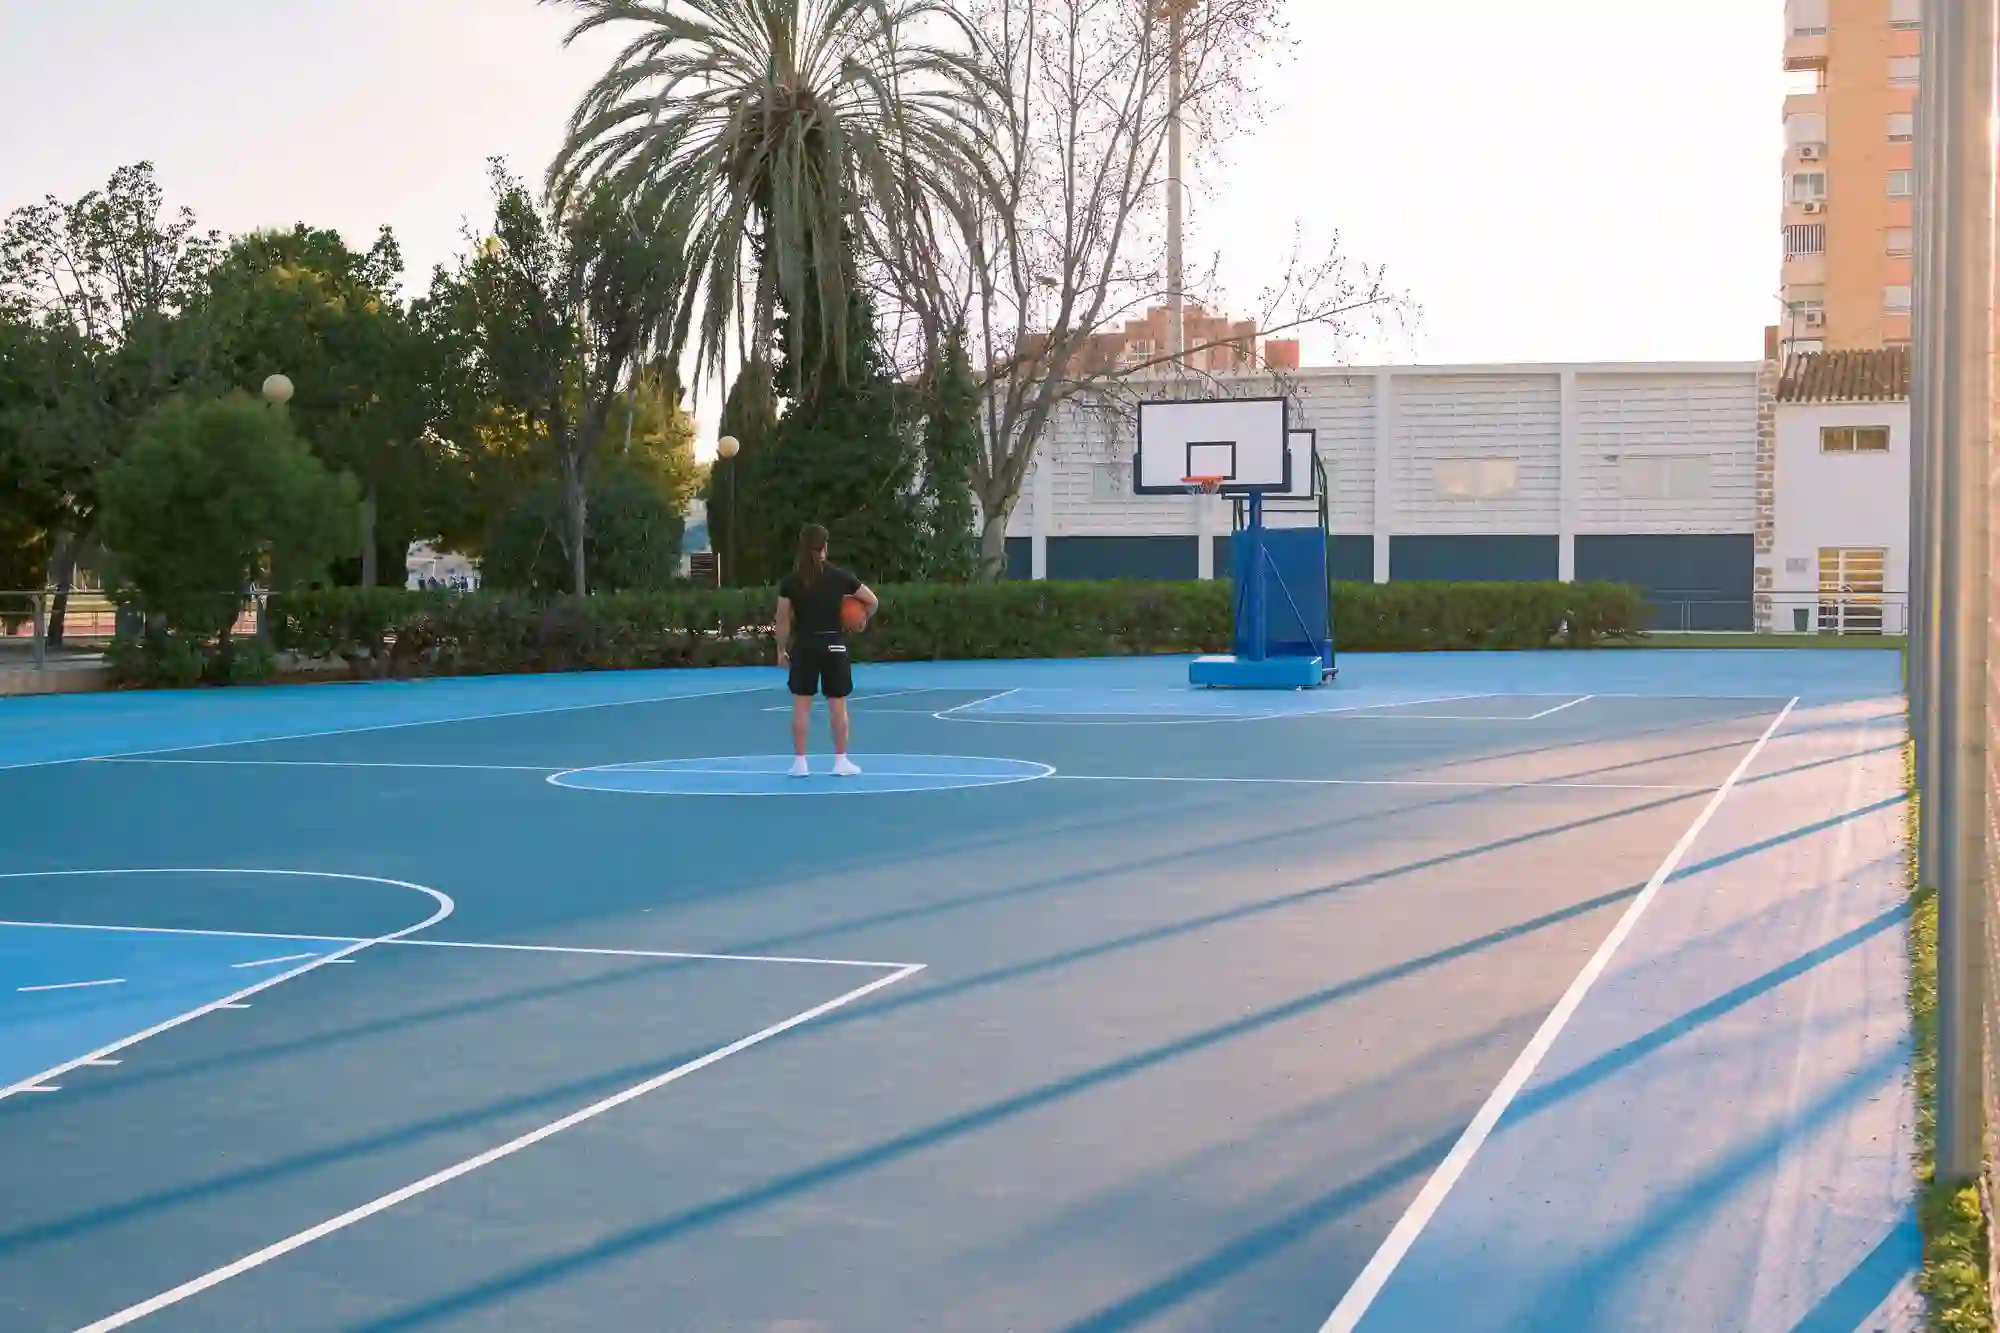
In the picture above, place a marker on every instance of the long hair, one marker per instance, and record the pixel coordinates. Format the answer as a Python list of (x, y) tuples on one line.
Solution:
[(812, 553)]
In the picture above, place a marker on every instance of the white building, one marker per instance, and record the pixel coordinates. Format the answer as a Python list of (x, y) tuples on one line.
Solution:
[(1835, 551), (1664, 475)]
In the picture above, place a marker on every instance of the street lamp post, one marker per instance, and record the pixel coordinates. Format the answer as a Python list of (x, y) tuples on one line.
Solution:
[(725, 451)]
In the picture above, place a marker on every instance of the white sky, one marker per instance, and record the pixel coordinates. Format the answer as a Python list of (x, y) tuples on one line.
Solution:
[(1548, 179)]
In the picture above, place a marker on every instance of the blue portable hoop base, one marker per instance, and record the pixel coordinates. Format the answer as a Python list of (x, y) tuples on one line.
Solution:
[(1284, 599)]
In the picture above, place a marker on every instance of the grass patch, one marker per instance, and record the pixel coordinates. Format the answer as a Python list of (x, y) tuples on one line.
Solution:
[(1953, 1280), (1676, 639)]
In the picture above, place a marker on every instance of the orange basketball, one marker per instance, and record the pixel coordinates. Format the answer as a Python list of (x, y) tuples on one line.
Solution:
[(853, 614)]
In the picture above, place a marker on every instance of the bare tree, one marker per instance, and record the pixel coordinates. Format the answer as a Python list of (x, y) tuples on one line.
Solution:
[(1065, 237)]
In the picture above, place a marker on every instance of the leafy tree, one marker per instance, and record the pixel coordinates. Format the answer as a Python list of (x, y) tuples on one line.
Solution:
[(840, 456), (561, 312), (106, 280), (750, 416), (761, 122), (950, 451), (213, 496), (634, 542), (304, 304)]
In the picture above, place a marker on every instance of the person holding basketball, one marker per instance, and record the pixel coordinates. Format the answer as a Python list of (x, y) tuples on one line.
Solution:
[(818, 603)]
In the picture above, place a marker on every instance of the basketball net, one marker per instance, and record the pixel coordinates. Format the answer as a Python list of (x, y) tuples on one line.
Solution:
[(1203, 485)]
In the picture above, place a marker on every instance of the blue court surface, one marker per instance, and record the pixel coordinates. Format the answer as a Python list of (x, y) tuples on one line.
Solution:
[(1476, 992)]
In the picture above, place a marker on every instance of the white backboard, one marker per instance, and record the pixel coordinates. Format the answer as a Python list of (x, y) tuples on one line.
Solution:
[(1242, 440)]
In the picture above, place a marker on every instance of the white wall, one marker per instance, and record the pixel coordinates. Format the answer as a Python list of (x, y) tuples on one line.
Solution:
[(1566, 427), (1827, 499)]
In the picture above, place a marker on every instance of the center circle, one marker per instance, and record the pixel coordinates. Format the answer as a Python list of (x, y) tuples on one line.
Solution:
[(769, 775)]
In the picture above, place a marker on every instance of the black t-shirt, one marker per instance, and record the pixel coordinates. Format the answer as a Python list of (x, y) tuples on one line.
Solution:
[(816, 605)]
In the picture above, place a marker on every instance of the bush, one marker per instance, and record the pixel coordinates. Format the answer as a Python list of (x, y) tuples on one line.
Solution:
[(392, 632), (1417, 617), (214, 496)]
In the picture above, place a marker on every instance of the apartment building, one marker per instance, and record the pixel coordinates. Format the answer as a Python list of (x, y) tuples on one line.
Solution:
[(1849, 173), (1216, 345)]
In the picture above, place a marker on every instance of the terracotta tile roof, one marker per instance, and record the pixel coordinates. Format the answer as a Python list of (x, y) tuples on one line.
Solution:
[(1863, 376)]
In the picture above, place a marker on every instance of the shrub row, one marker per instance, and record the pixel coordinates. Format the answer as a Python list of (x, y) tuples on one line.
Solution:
[(395, 633)]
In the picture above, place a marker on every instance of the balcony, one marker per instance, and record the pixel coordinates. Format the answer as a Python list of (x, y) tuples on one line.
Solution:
[(1806, 51)]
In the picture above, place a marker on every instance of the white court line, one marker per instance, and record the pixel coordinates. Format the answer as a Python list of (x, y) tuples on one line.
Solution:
[(41, 1087), (1354, 1305), (71, 985), (974, 703), (391, 726), (320, 763), (459, 944), (1378, 782), (217, 1277), (1546, 712), (444, 908), (273, 962), (102, 1064)]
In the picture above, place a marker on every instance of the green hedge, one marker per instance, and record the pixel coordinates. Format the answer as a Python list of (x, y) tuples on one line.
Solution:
[(391, 632)]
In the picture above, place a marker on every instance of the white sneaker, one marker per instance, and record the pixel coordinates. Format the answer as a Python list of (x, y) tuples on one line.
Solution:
[(799, 768), (843, 767)]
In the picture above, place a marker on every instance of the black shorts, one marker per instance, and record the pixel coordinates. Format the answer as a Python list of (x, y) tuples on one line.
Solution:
[(820, 666)]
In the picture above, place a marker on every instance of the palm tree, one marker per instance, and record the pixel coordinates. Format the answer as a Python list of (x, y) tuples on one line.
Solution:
[(761, 127)]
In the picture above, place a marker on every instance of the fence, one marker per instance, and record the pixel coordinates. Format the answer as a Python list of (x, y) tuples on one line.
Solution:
[(1833, 611), (1956, 633), (89, 617)]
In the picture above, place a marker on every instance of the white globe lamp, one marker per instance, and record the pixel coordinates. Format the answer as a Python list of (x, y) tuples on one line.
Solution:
[(727, 446), (277, 389)]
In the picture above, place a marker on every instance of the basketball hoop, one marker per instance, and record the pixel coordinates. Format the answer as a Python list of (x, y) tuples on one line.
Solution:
[(1203, 485)]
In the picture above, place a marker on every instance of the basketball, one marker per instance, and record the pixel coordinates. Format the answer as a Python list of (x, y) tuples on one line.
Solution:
[(853, 614)]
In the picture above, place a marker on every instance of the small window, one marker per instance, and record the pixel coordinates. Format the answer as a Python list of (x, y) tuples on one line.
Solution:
[(1477, 478), (1906, 13), (1655, 477), (1904, 70), (1899, 241), (1807, 238), (1804, 82), (1805, 18), (1902, 127), (1854, 439), (1808, 185), (1896, 297), (1902, 184)]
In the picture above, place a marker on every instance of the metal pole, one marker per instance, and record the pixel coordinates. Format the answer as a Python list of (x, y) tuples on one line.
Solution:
[(1940, 23), (1176, 278), (1966, 290), (39, 601), (1922, 291)]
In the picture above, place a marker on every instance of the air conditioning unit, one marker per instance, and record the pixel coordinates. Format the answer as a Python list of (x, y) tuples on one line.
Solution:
[(1811, 152), (1813, 207), (1815, 319)]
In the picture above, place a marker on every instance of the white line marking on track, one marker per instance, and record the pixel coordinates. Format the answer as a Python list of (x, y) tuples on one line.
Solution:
[(272, 962), (1354, 1305), (102, 1064), (34, 1087), (71, 985), (1380, 782), (237, 1005), (1547, 712), (462, 944), (395, 726), (215, 1278), (444, 908)]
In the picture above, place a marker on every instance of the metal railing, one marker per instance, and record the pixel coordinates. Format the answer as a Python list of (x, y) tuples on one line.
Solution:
[(1831, 612), (89, 617)]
